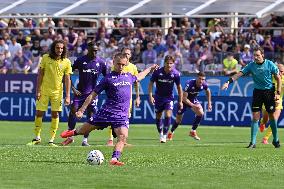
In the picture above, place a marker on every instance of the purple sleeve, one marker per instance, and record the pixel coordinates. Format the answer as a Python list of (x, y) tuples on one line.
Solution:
[(177, 79), (205, 86), (187, 85), (101, 86), (154, 76)]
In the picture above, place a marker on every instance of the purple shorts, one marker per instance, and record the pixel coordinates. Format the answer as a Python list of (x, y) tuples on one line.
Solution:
[(104, 123), (78, 101), (194, 101), (162, 104)]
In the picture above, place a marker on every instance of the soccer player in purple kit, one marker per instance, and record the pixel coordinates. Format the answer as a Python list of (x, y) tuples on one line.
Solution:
[(165, 78), (90, 67), (191, 90), (115, 111)]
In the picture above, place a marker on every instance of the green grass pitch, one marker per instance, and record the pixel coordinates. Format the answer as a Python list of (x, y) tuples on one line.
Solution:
[(220, 160)]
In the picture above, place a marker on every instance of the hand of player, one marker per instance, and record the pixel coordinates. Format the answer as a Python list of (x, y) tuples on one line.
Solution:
[(38, 95), (154, 67), (67, 100), (152, 100), (225, 86), (277, 97), (180, 105), (79, 114), (137, 102), (209, 108)]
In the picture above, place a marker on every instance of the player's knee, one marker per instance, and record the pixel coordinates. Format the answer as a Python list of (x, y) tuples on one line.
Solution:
[(54, 115), (39, 114), (122, 137)]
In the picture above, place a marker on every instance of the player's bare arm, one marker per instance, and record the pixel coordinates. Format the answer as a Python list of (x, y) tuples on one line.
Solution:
[(150, 92), (39, 82), (232, 79), (75, 91), (180, 96), (143, 74), (67, 82), (208, 95), (186, 101), (137, 100), (279, 85)]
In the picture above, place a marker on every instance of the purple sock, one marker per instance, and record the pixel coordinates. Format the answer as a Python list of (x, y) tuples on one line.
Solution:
[(196, 122), (167, 123), (116, 154), (159, 125), (174, 127), (71, 121)]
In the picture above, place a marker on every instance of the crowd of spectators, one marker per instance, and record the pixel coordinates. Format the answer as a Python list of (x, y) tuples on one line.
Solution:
[(196, 44)]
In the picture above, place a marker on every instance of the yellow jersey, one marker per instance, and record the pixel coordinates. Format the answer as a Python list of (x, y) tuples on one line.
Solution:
[(130, 68), (53, 72)]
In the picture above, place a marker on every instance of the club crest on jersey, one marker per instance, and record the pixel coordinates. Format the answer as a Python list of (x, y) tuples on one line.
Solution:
[(172, 75), (60, 66), (97, 64)]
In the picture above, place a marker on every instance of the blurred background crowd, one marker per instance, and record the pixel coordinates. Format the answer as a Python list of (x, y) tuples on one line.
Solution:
[(197, 44)]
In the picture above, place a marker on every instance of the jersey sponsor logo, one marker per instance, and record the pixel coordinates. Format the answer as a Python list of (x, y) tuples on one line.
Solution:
[(93, 71), (85, 63), (165, 80), (194, 92), (122, 83)]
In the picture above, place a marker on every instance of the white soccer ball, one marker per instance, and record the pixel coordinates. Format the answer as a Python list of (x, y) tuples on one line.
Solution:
[(95, 157)]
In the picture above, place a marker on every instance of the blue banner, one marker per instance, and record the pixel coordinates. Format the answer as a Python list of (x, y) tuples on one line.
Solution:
[(26, 83), (226, 111), (18, 83)]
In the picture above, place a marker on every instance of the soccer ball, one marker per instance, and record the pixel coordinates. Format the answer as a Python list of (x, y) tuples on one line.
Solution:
[(95, 157)]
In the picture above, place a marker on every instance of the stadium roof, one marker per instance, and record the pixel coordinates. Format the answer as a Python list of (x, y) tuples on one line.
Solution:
[(140, 8)]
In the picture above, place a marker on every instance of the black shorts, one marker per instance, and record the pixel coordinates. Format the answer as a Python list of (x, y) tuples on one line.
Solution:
[(265, 97)]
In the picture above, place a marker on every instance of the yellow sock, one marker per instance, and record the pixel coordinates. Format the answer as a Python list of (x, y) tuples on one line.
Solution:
[(53, 128), (268, 133), (110, 134), (38, 125)]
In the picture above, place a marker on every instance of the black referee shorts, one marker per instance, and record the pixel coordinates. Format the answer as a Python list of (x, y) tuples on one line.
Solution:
[(265, 97)]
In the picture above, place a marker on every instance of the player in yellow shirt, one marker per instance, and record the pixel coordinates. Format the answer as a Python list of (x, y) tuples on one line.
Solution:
[(130, 68), (53, 67), (278, 110)]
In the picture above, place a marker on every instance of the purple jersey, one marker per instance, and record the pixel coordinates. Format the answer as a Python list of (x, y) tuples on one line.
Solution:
[(118, 90), (165, 82), (193, 90), (89, 71)]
